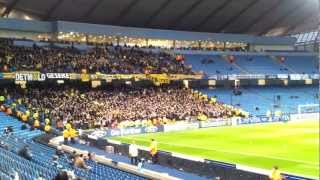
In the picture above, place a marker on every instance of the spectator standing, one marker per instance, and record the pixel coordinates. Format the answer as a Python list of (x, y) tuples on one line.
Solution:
[(275, 174), (66, 136), (133, 153), (80, 163), (154, 151)]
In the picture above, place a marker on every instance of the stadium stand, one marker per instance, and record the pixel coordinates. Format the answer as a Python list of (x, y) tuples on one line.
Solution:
[(131, 107), (252, 64), (259, 100), (210, 64), (116, 59), (258, 64), (302, 64), (76, 72), (41, 163), (105, 59), (114, 108)]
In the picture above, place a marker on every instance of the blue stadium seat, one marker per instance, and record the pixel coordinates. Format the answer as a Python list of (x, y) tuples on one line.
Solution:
[(258, 64), (264, 98), (302, 64), (252, 64), (41, 164), (218, 66)]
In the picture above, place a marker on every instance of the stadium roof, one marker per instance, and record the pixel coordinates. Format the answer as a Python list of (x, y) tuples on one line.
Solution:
[(258, 17)]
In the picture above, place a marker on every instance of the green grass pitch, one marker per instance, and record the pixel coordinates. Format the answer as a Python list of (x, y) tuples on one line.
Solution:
[(293, 146)]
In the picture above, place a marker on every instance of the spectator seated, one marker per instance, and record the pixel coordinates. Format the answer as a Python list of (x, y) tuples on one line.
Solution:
[(109, 60), (41, 163), (115, 108)]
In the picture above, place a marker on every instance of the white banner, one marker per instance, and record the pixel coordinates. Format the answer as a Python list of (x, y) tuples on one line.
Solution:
[(58, 75), (180, 126), (216, 123)]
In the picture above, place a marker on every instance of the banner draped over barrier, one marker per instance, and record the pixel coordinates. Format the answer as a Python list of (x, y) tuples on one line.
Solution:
[(159, 79), (38, 76), (29, 76), (85, 77), (181, 126)]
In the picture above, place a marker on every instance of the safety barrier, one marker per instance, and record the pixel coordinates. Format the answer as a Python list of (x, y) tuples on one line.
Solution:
[(184, 125)]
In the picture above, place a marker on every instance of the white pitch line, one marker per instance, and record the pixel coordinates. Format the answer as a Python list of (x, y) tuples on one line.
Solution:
[(240, 153)]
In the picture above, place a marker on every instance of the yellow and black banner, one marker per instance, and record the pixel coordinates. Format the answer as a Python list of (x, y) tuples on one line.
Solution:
[(159, 79), (85, 77)]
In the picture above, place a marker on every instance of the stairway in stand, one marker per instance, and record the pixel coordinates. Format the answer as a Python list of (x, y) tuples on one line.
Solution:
[(290, 70), (235, 65)]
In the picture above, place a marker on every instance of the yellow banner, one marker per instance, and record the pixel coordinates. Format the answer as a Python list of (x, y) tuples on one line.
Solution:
[(8, 75), (160, 78), (85, 77), (184, 76), (74, 76)]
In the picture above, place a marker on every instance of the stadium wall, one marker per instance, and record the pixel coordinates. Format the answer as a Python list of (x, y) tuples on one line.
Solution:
[(25, 25), (271, 47), (248, 82)]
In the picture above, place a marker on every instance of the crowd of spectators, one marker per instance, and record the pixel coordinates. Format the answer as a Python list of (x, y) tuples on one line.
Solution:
[(103, 59), (124, 107)]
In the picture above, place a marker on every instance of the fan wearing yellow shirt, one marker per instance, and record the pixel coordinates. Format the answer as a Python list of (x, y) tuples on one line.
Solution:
[(154, 151), (35, 115), (47, 127), (2, 99), (73, 134), (275, 174), (66, 136), (36, 124), (28, 113), (24, 118)]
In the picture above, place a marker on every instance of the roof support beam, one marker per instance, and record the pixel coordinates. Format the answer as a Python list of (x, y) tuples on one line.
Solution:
[(263, 15), (282, 18), (9, 8), (185, 13), (124, 12), (91, 9), (53, 9), (157, 12), (213, 13), (38, 15), (236, 16)]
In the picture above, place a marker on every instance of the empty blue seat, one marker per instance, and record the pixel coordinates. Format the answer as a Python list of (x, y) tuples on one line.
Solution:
[(41, 163), (266, 97)]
